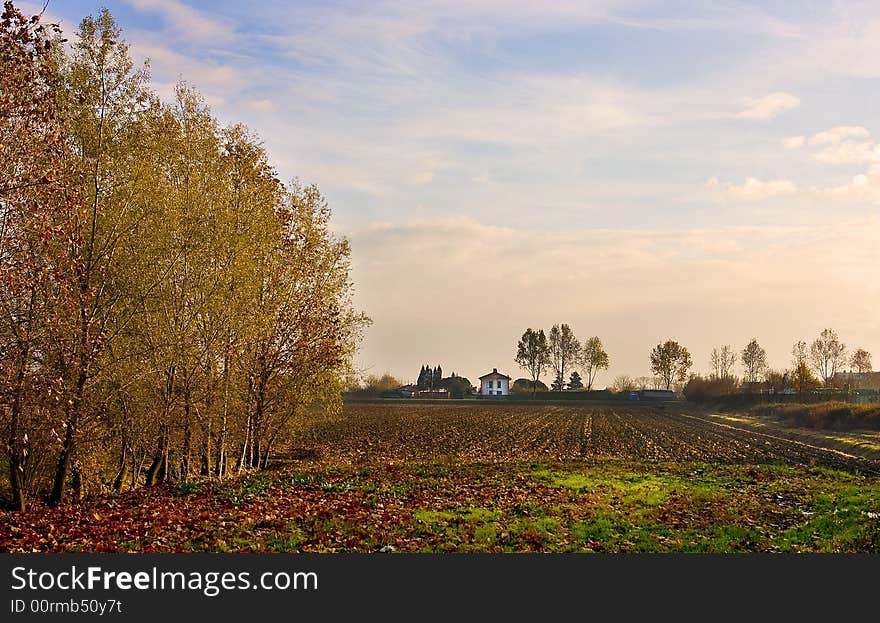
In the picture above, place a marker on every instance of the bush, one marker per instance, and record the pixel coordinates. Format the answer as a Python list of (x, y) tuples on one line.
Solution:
[(824, 415), (525, 386), (699, 388)]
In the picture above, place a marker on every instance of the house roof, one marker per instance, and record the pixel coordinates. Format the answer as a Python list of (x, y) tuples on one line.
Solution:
[(494, 374)]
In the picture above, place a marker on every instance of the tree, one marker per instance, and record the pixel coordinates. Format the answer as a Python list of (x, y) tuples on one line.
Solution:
[(723, 360), (593, 358), (167, 304), (623, 383), (421, 382), (670, 361), (564, 351), (381, 384), (458, 386), (533, 354), (778, 381), (38, 193), (861, 362), (754, 360), (802, 376), (438, 376), (526, 386), (574, 381), (828, 355)]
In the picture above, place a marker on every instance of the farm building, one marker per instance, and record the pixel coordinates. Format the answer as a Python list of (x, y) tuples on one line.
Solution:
[(412, 391), (652, 394), (495, 384), (857, 380)]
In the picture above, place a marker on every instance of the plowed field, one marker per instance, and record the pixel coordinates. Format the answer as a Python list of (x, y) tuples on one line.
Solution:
[(474, 432)]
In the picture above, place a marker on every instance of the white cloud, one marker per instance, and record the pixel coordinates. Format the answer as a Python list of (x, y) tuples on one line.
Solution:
[(849, 152), (836, 135), (862, 187), (767, 107), (752, 189), (839, 145), (793, 142)]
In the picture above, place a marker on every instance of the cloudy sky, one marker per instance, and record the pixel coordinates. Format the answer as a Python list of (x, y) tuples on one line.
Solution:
[(702, 171)]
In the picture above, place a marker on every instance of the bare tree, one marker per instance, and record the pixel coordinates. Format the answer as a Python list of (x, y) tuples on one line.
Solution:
[(754, 360), (723, 360), (828, 355), (564, 351), (623, 383)]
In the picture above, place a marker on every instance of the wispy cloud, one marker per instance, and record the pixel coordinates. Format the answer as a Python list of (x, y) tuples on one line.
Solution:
[(767, 107), (187, 21), (752, 189)]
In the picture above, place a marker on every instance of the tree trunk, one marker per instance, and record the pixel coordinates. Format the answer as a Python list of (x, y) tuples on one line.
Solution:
[(159, 467), (123, 467)]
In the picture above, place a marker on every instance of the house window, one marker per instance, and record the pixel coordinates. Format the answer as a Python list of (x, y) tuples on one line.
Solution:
[(498, 384)]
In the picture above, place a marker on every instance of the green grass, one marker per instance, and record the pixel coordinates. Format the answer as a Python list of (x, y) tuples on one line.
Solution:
[(576, 506)]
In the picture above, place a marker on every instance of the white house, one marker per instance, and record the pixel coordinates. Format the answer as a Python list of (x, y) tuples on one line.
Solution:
[(494, 384)]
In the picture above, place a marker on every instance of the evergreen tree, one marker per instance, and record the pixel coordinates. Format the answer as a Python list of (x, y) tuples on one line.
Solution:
[(438, 374), (421, 382), (574, 381), (558, 383)]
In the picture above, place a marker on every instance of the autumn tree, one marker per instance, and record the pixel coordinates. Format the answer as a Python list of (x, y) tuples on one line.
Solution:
[(37, 197), (593, 358), (168, 307), (754, 360), (828, 355), (533, 354), (564, 351), (670, 361)]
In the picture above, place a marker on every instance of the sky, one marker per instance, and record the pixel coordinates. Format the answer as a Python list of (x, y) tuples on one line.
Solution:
[(701, 171)]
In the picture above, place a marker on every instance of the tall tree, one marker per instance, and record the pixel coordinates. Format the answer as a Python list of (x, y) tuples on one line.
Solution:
[(670, 361), (108, 99), (723, 360), (533, 354), (754, 360), (564, 351), (37, 197), (438, 376), (574, 381), (828, 355), (593, 358)]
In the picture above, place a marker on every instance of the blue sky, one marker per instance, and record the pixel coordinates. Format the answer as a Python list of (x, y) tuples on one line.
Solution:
[(640, 170)]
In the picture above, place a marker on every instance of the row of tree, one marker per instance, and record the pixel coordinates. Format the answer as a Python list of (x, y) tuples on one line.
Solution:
[(560, 352), (167, 305), (429, 377), (814, 364)]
